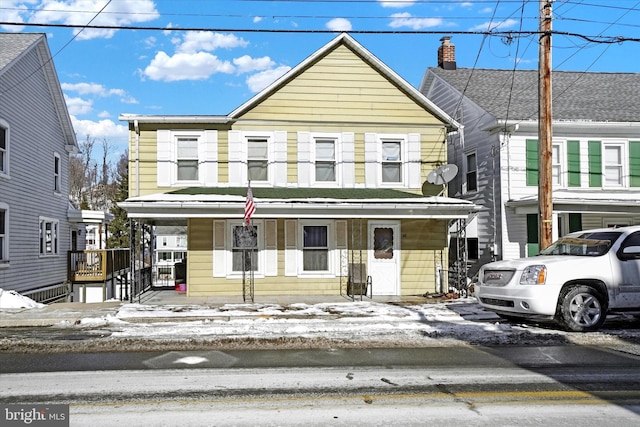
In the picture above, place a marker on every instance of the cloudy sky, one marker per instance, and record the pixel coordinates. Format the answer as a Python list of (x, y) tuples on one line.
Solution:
[(201, 57)]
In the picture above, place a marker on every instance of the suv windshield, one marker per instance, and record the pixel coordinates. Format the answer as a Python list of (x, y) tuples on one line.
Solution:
[(588, 244)]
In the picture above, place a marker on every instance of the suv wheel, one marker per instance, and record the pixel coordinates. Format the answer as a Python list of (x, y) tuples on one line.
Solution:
[(582, 309)]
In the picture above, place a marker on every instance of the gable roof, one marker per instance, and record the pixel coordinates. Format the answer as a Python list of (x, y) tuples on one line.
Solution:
[(346, 40), (14, 46), (576, 96)]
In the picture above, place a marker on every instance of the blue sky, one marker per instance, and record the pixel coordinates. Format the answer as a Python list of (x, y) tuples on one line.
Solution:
[(249, 43)]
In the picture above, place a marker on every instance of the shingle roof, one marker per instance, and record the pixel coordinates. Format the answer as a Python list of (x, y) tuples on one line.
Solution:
[(603, 97), (301, 193), (13, 45)]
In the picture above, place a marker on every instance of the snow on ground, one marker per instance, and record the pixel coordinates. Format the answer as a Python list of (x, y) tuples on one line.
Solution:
[(347, 323), (12, 299)]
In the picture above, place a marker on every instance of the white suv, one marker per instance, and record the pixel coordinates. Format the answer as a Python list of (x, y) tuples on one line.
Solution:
[(575, 281)]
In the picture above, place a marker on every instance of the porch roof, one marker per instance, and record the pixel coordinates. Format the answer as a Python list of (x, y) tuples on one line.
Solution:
[(609, 201), (283, 202)]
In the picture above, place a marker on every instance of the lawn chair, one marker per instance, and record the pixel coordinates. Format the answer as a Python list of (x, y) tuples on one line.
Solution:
[(358, 282)]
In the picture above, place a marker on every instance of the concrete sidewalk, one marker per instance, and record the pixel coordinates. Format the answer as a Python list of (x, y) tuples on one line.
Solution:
[(74, 312)]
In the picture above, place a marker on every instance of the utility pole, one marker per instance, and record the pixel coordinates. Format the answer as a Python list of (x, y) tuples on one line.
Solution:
[(545, 133)]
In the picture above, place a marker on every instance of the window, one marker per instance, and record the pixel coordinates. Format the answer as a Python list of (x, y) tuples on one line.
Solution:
[(613, 169), (472, 180), (164, 256), (556, 164), (179, 256), (56, 173), (187, 158), (4, 146), (4, 229), (245, 248), (315, 248), (391, 161), (258, 159), (533, 242), (325, 160), (48, 236)]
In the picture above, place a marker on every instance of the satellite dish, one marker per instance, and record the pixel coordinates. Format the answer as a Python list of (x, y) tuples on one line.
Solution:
[(429, 189), (442, 174)]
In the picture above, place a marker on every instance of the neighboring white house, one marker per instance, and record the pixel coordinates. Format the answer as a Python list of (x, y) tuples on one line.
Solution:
[(170, 249), (596, 151), (38, 225)]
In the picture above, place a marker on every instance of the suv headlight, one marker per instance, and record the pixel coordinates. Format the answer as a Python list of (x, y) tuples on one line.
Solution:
[(534, 275)]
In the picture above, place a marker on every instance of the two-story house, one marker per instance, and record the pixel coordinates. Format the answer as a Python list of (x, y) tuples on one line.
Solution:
[(596, 151), (38, 226), (336, 153)]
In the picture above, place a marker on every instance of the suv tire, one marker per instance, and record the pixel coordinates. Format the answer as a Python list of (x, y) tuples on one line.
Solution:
[(582, 309)]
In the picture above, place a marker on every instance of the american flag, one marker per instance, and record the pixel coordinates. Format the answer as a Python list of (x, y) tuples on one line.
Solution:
[(249, 207)]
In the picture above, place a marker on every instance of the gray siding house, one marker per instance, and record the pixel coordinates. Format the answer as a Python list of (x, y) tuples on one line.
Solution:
[(596, 151), (36, 138)]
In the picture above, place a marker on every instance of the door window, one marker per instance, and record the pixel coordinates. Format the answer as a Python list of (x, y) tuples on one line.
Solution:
[(383, 243)]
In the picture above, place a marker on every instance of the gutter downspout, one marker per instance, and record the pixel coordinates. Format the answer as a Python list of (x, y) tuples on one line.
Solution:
[(136, 129)]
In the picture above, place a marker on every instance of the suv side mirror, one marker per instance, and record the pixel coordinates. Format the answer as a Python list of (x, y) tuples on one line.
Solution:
[(629, 252)]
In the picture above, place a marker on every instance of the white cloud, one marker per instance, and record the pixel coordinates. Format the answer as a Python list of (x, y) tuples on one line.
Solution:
[(99, 90), (339, 24), (247, 64), (405, 19), (77, 106), (79, 12), (208, 41), (490, 26), (104, 114), (13, 11), (186, 66), (261, 80), (396, 3), (103, 129), (257, 19)]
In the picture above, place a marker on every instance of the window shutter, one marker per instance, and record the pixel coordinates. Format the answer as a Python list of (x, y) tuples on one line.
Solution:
[(304, 159), (219, 249), (290, 248), (237, 159), (341, 246), (634, 163), (280, 158), (271, 247), (348, 160), (595, 164), (370, 160), (209, 158), (163, 147), (414, 161), (532, 161), (573, 163)]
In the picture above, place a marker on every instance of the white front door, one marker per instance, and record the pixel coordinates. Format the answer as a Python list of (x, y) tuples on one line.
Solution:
[(384, 257)]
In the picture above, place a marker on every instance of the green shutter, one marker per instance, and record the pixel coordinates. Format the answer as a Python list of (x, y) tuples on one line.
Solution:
[(634, 163), (595, 164), (573, 163), (575, 222), (532, 161)]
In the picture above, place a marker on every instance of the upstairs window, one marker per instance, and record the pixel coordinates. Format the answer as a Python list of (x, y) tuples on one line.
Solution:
[(613, 165), (56, 173), (187, 158), (48, 236), (258, 159), (556, 164), (472, 172), (4, 146), (391, 161), (325, 160)]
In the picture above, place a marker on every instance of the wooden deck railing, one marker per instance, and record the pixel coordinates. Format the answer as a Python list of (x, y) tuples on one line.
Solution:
[(97, 265)]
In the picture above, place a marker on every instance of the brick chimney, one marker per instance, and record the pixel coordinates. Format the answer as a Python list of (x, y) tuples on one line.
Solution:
[(447, 54)]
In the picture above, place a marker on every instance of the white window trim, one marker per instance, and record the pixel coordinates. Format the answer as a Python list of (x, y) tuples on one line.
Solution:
[(331, 257), (4, 262), (57, 177), (465, 163), (4, 172), (55, 248), (337, 137), (258, 274), (175, 135), (404, 157), (271, 169), (561, 162), (624, 159)]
